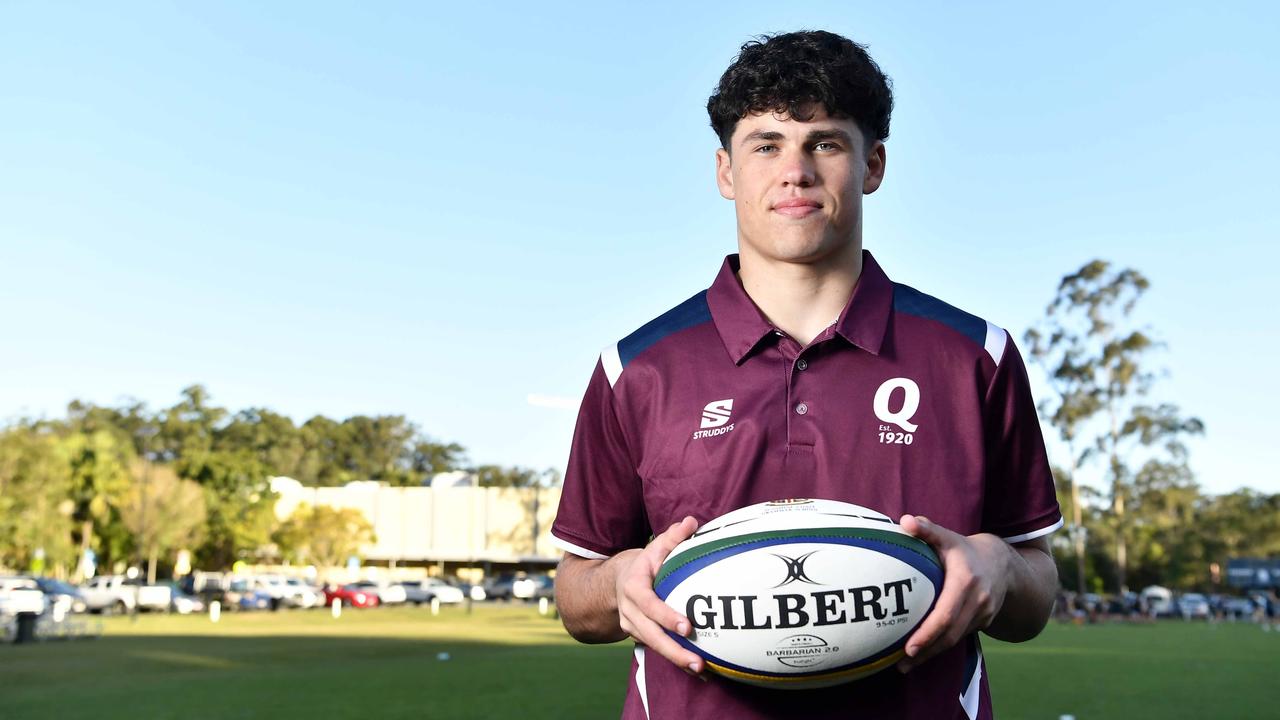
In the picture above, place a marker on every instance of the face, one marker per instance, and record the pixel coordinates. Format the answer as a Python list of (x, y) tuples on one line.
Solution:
[(797, 187)]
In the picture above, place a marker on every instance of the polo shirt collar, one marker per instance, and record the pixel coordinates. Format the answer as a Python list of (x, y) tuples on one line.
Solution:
[(742, 326)]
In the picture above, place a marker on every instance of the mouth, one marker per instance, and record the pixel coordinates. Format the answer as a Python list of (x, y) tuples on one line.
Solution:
[(797, 207)]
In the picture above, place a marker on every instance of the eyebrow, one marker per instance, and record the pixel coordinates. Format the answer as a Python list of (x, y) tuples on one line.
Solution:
[(812, 137)]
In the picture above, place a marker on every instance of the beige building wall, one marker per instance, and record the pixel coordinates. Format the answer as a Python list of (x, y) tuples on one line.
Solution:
[(449, 524)]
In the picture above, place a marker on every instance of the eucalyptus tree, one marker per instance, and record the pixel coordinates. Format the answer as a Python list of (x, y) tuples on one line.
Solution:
[(1098, 364)]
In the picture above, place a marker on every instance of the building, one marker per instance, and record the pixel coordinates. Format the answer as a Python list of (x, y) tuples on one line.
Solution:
[(451, 523)]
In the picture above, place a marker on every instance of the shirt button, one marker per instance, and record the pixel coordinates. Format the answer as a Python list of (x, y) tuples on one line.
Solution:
[(802, 408), (802, 364), (778, 333)]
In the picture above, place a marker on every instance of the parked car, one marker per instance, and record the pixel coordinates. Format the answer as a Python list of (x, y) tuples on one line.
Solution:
[(351, 595), (240, 594), (533, 587), (62, 598), (1159, 601), (304, 595), (413, 592), (1193, 606), (184, 603), (443, 591), (274, 586), (500, 587), (475, 592), (20, 595), (1238, 607), (1123, 605), (387, 593), (117, 593)]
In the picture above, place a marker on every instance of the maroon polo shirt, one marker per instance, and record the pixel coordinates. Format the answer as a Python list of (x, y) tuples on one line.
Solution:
[(905, 405)]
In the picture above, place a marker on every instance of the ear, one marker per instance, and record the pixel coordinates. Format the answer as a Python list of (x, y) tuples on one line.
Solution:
[(724, 173), (875, 168)]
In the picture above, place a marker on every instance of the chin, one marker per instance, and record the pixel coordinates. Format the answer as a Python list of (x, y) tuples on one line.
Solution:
[(804, 250)]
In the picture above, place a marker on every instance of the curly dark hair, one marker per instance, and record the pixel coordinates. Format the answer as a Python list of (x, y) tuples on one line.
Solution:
[(792, 73)]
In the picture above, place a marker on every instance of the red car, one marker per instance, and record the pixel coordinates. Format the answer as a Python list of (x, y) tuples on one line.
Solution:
[(350, 595)]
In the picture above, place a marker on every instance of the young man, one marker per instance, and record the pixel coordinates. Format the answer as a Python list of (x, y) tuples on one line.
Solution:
[(805, 372)]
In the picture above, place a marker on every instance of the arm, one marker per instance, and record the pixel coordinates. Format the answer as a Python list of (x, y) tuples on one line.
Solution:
[(603, 601), (1005, 590)]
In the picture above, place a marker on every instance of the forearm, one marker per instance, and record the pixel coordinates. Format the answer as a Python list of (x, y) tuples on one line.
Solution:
[(586, 597), (1033, 582)]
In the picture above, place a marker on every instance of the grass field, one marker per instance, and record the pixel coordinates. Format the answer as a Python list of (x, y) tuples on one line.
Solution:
[(509, 662)]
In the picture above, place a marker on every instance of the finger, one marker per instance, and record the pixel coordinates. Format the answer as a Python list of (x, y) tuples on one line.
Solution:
[(651, 634), (678, 532), (947, 611), (949, 637), (642, 597)]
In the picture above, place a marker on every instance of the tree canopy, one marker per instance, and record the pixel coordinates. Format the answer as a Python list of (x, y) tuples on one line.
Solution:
[(102, 478)]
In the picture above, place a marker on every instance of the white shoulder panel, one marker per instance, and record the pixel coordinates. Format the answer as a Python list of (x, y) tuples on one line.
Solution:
[(996, 340), (612, 363)]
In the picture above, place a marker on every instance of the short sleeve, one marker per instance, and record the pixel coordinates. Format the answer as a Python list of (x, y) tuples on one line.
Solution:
[(1020, 501), (601, 509)]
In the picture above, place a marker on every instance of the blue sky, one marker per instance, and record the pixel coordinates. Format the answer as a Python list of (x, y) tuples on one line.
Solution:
[(440, 210)]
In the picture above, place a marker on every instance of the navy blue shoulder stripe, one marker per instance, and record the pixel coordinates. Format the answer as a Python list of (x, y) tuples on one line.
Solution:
[(693, 311), (913, 302)]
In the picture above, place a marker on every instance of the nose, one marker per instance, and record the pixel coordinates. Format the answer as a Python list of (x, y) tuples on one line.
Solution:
[(798, 171)]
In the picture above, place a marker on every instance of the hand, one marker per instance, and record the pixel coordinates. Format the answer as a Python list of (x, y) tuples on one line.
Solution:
[(641, 613), (973, 589)]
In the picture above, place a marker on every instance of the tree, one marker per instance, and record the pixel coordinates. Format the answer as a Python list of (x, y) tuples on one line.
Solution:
[(1059, 348), (271, 437), (430, 458), (239, 503), (516, 477), (1097, 365), (35, 504), (78, 471), (99, 479), (323, 535), (188, 429), (162, 511)]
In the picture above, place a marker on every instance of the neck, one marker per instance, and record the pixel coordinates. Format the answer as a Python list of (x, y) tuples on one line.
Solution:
[(801, 299)]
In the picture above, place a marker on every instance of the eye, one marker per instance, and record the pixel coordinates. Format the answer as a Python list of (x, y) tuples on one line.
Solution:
[(826, 146), (766, 149)]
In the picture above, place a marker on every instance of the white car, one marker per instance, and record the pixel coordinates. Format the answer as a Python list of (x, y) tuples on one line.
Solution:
[(304, 595), (117, 593), (20, 595), (1193, 605), (442, 591), (387, 593)]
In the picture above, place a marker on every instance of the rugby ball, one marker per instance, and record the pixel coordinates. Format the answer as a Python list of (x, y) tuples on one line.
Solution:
[(800, 593)]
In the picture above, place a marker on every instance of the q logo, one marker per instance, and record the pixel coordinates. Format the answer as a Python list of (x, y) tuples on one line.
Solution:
[(910, 403)]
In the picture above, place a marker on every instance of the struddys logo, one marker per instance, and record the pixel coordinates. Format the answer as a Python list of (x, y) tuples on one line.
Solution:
[(789, 502), (715, 419)]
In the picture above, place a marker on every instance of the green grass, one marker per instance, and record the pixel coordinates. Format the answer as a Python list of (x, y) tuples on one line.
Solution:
[(507, 661)]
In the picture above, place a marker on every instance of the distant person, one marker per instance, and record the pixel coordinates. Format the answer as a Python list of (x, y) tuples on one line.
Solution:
[(1266, 612), (821, 377)]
